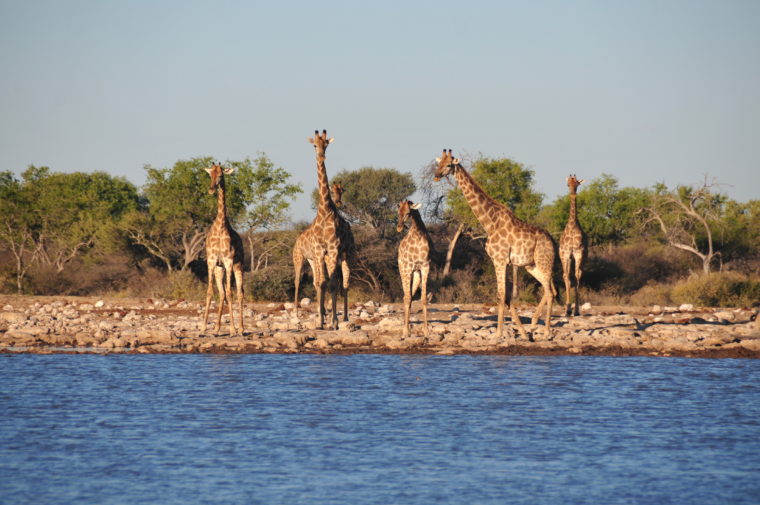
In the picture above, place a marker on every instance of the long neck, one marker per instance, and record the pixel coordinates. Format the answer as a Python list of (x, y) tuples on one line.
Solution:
[(325, 200), (417, 224), (480, 202), (573, 217), (221, 206)]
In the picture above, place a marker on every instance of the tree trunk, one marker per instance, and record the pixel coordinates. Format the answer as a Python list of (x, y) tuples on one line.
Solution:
[(450, 251)]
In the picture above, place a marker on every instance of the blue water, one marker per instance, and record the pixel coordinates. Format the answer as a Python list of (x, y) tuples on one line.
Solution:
[(366, 429)]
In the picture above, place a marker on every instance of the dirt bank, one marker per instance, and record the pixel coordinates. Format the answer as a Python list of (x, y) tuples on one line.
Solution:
[(90, 324)]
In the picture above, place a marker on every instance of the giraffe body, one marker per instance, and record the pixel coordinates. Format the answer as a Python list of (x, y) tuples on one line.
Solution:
[(328, 242), (413, 260), (303, 251), (224, 256), (573, 248), (510, 241)]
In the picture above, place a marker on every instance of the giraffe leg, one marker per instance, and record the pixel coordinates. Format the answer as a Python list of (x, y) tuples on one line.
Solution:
[(545, 278), (566, 258), (228, 295), (514, 315), (209, 295), (406, 283), (332, 278), (346, 277), (320, 286), (219, 278), (578, 274), (424, 274), (239, 285), (297, 266), (501, 293), (514, 283)]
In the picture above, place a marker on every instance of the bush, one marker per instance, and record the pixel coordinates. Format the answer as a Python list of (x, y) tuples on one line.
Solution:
[(654, 293), (718, 289)]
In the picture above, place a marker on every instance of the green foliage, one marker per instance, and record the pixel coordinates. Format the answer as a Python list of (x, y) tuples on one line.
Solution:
[(372, 195), (718, 289), (506, 181), (266, 191), (606, 213)]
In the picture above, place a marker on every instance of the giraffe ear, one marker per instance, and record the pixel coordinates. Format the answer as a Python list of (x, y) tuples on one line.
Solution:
[(208, 169), (228, 171), (581, 181), (331, 140), (417, 206), (455, 161), (438, 160)]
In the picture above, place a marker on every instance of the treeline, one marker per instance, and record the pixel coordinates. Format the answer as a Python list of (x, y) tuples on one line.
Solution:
[(92, 233)]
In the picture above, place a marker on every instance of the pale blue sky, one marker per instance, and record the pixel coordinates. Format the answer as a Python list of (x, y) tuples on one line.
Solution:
[(649, 91)]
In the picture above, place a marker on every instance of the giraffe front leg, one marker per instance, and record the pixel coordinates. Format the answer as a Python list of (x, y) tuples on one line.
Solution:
[(209, 295), (501, 293), (346, 277), (424, 274), (228, 295), (566, 279), (331, 263), (297, 266), (319, 287), (578, 275), (406, 283), (219, 279), (240, 290)]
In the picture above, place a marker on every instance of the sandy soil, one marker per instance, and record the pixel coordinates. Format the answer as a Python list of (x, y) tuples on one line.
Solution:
[(91, 324)]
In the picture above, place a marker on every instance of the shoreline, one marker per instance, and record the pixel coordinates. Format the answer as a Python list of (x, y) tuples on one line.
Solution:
[(94, 325)]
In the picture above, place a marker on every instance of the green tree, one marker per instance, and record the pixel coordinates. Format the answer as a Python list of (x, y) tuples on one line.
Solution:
[(55, 217), (371, 195), (506, 181), (607, 213), (172, 226)]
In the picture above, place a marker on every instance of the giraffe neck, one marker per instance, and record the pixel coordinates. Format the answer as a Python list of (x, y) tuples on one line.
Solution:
[(221, 206), (573, 218), (417, 224), (479, 200), (326, 204)]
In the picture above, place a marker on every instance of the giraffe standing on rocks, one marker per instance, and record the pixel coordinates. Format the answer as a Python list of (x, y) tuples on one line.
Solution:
[(224, 256), (510, 241), (413, 259), (328, 241), (573, 245), (301, 251)]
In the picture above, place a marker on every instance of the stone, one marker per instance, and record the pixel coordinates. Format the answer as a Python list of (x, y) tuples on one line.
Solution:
[(11, 317), (305, 302), (290, 306), (586, 306), (656, 309), (686, 307), (99, 304)]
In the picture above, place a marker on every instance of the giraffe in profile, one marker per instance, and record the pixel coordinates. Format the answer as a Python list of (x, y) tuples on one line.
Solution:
[(413, 259), (328, 242), (510, 241), (573, 246), (301, 251), (224, 255)]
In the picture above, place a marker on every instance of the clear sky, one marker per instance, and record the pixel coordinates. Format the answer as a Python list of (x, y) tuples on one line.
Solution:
[(648, 91)]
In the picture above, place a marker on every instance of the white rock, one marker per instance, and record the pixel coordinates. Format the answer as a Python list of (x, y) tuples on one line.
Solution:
[(370, 304), (99, 304), (305, 302), (656, 309), (8, 308), (586, 306), (289, 306), (686, 307)]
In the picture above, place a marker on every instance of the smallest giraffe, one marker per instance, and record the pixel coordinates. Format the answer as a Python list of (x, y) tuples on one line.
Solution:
[(573, 245), (413, 260)]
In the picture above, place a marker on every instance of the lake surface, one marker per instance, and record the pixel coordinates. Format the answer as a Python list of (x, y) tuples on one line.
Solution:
[(378, 429)]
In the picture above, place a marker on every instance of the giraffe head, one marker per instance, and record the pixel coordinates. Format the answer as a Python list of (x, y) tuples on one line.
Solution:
[(337, 194), (573, 183), (217, 174), (446, 165), (320, 143), (405, 208)]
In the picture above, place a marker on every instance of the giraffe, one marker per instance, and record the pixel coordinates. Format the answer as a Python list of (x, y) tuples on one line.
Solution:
[(328, 240), (413, 259), (224, 255), (510, 241), (301, 250), (573, 245)]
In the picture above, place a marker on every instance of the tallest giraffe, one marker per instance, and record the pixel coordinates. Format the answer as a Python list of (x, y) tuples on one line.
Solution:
[(329, 238)]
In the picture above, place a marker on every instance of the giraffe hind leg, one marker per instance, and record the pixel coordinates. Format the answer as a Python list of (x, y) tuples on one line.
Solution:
[(219, 279), (240, 290)]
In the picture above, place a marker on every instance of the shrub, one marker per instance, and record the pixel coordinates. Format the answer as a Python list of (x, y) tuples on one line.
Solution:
[(718, 289), (653, 293)]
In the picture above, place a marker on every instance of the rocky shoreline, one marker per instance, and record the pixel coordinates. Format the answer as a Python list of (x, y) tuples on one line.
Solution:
[(45, 325)]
